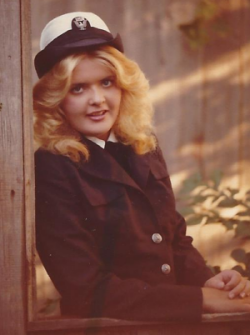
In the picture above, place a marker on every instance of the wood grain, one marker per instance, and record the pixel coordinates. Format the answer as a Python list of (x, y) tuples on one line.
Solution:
[(12, 266), (217, 324), (28, 157)]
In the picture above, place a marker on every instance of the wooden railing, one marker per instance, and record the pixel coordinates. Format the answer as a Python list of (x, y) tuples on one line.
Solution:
[(16, 190), (212, 324)]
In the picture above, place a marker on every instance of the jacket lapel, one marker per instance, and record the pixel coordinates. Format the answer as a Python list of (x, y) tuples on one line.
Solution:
[(102, 165), (139, 167)]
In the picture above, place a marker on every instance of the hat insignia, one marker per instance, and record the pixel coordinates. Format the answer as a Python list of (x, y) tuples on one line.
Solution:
[(80, 23)]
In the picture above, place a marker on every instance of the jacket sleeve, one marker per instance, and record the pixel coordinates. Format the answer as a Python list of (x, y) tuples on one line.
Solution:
[(190, 266), (71, 258)]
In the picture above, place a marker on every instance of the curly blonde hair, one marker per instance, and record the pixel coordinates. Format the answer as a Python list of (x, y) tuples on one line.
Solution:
[(133, 125)]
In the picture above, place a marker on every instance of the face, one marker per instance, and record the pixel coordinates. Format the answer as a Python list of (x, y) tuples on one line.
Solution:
[(92, 104)]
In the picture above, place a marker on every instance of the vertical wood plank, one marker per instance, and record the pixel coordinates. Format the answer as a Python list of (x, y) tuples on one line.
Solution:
[(12, 239), (28, 154)]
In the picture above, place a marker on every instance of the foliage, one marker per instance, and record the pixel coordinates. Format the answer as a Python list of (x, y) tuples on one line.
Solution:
[(206, 202), (207, 23), (243, 257)]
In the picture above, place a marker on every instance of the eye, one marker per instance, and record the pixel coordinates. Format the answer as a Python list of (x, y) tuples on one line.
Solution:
[(76, 89), (107, 82)]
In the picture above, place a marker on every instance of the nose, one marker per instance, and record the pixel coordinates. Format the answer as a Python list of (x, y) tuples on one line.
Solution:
[(97, 96)]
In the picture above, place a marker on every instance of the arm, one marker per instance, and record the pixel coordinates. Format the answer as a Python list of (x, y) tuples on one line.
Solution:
[(217, 301), (190, 265), (218, 290), (232, 281), (191, 269)]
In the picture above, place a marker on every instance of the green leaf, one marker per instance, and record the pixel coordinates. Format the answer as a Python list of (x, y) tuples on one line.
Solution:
[(215, 214), (198, 199), (221, 28), (233, 191), (244, 213), (208, 195), (191, 183), (239, 255), (240, 270), (207, 10), (216, 177), (229, 225), (247, 194), (228, 202), (216, 198), (243, 229), (194, 219), (187, 211), (215, 269), (212, 220)]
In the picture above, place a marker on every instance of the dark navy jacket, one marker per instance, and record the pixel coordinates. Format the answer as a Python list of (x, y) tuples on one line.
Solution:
[(95, 227)]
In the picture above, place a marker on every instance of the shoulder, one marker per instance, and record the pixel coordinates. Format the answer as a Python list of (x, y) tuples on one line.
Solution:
[(45, 159), (157, 154), (157, 163), (50, 164)]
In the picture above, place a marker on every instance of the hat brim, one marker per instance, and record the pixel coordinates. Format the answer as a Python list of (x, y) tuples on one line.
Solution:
[(52, 54)]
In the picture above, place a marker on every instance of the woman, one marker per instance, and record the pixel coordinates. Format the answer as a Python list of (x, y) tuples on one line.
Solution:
[(107, 230)]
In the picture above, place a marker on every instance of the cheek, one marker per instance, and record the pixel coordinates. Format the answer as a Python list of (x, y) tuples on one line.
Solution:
[(117, 99), (65, 105), (70, 106)]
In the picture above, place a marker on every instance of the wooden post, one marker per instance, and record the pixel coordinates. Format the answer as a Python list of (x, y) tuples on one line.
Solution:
[(14, 109), (28, 156), (17, 314)]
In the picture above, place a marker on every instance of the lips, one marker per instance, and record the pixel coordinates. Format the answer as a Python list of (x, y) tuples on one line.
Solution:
[(97, 115)]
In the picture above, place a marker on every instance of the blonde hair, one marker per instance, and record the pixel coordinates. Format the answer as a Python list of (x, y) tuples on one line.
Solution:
[(133, 125)]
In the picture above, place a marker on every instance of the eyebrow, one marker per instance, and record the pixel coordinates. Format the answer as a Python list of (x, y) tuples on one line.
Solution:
[(111, 77)]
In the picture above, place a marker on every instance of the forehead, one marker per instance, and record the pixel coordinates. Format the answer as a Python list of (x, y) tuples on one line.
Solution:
[(91, 70)]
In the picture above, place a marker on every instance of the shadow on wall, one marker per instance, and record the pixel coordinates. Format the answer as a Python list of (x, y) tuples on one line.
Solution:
[(202, 107)]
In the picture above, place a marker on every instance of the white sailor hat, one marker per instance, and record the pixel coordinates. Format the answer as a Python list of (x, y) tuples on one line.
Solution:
[(70, 33)]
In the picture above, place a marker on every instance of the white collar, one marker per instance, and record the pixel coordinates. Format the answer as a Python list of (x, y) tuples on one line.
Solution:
[(101, 143)]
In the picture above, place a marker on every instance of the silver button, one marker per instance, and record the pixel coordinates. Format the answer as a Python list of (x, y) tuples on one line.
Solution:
[(157, 238), (165, 268)]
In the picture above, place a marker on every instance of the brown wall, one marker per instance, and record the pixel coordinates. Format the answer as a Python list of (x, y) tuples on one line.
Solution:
[(200, 95)]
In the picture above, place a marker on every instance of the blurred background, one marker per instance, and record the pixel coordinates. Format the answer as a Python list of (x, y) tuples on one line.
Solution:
[(196, 56)]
